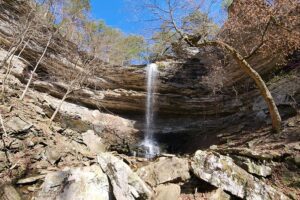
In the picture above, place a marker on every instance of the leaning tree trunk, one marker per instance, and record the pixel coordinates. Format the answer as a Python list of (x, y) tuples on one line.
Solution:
[(15, 45), (59, 106), (266, 94), (10, 66), (35, 68)]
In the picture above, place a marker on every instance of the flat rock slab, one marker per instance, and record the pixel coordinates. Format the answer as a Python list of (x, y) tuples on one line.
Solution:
[(32, 179), (165, 170), (75, 184), (222, 172), (17, 125), (126, 184)]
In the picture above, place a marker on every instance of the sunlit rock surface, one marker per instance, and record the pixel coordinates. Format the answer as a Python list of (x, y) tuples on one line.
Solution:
[(126, 184), (222, 172), (75, 184), (165, 170), (82, 119)]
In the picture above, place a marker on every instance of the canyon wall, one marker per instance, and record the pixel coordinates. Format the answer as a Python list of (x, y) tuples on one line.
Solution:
[(185, 105)]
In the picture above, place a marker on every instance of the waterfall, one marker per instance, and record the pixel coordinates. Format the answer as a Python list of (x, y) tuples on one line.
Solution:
[(149, 143)]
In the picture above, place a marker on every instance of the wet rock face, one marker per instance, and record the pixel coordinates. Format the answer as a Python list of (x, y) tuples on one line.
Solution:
[(222, 172)]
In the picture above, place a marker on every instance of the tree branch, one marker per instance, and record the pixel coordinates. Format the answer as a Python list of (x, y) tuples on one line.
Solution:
[(262, 41)]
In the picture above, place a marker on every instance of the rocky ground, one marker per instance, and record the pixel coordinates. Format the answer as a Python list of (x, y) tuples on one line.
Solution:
[(85, 155)]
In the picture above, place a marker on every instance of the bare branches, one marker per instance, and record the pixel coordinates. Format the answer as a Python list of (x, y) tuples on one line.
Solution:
[(35, 68), (202, 40), (262, 41), (171, 13), (268, 28)]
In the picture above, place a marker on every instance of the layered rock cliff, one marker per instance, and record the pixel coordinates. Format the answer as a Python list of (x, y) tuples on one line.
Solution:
[(185, 105), (81, 156)]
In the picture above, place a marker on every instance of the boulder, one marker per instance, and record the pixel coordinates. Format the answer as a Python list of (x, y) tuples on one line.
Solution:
[(8, 192), (165, 170), (18, 66), (297, 160), (17, 125), (3, 157), (75, 184), (167, 192), (219, 194), (256, 169), (52, 155), (253, 167), (93, 142), (126, 184), (222, 172)]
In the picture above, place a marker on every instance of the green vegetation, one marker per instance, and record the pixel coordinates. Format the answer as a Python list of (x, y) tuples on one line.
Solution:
[(73, 21)]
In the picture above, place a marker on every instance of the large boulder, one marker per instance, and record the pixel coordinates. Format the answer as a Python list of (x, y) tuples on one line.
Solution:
[(222, 172), (126, 184), (167, 192), (219, 194), (165, 170), (17, 125), (75, 184), (93, 142), (8, 192), (258, 169)]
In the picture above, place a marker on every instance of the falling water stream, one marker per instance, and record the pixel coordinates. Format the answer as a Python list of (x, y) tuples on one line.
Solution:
[(151, 147)]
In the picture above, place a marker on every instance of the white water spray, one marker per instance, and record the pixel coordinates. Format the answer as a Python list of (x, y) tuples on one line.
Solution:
[(149, 143)]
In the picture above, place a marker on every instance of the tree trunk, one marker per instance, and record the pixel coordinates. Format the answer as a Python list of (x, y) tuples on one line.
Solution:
[(10, 66), (8, 71), (35, 68), (2, 125), (59, 106), (15, 45), (266, 94), (9, 54), (25, 45)]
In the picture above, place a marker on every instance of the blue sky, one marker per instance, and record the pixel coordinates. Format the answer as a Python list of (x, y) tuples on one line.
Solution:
[(120, 14), (116, 13)]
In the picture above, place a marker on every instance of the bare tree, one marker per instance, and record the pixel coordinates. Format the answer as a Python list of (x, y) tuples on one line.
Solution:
[(4, 134), (23, 30), (279, 14), (54, 11), (10, 65), (20, 32), (36, 66), (77, 79)]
